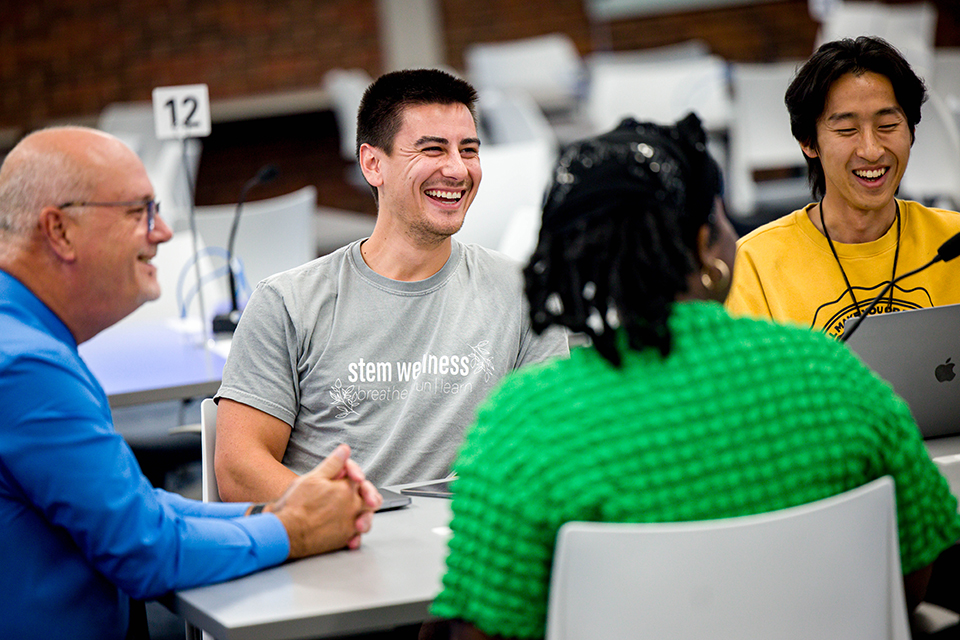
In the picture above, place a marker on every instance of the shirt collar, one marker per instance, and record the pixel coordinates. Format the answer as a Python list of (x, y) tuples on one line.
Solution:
[(16, 295)]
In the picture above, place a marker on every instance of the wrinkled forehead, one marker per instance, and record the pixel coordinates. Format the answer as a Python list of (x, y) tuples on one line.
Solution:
[(452, 122)]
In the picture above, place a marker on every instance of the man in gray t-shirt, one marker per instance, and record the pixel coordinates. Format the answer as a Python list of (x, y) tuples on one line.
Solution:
[(390, 343)]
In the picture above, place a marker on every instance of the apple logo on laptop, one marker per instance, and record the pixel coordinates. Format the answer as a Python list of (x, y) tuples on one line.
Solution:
[(944, 372)]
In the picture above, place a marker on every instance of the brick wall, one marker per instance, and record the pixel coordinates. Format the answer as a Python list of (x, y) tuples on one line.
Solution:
[(63, 58), (69, 58)]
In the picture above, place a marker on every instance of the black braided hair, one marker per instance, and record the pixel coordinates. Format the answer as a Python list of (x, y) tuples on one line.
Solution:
[(619, 232)]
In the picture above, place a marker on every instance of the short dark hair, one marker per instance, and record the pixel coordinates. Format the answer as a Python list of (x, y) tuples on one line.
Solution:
[(618, 238), (381, 109), (806, 96)]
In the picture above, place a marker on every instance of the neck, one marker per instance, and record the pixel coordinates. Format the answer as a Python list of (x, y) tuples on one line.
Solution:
[(55, 290), (404, 258), (850, 225)]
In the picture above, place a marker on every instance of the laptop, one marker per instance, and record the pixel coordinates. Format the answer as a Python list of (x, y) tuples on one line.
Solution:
[(918, 353)]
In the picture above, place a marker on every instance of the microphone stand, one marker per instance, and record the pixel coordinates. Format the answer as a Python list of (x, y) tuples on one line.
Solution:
[(227, 322)]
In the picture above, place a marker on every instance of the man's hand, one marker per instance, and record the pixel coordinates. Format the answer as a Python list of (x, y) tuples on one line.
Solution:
[(327, 508)]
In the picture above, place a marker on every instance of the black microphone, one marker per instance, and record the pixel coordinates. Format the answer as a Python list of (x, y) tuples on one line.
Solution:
[(227, 322), (947, 251)]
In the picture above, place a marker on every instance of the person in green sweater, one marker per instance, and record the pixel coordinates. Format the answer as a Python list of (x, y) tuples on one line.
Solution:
[(676, 411)]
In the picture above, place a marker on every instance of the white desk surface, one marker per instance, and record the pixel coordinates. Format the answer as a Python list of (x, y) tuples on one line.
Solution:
[(139, 363), (390, 581)]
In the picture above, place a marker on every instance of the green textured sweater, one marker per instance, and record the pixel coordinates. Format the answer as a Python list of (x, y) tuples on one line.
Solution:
[(743, 417)]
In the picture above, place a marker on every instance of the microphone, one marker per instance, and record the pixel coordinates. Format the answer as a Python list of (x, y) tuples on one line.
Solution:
[(227, 322), (947, 251)]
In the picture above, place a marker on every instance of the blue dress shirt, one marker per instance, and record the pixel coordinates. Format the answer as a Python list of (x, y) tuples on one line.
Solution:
[(81, 529)]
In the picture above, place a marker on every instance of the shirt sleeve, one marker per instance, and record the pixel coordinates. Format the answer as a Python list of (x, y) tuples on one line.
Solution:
[(68, 462), (553, 342), (261, 370)]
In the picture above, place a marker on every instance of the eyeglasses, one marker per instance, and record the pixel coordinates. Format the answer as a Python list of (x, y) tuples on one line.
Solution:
[(152, 208)]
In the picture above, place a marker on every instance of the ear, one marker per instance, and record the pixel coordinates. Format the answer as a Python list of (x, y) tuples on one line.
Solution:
[(56, 230), (810, 152), (706, 250), (370, 164)]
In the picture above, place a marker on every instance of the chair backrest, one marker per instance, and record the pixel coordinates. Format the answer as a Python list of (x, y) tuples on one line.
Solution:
[(177, 262), (946, 77), (548, 68), (829, 569), (208, 442), (345, 88), (273, 235), (933, 172), (660, 90), (516, 157), (759, 133), (910, 27)]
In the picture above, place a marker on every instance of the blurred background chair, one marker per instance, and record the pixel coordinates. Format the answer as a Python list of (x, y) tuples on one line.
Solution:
[(766, 169), (933, 173), (946, 78), (548, 68), (829, 569), (910, 27), (273, 235), (658, 88), (208, 444), (517, 152), (345, 88)]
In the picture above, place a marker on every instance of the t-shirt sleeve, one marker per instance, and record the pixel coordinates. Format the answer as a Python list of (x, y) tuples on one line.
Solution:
[(552, 343), (66, 460), (261, 370)]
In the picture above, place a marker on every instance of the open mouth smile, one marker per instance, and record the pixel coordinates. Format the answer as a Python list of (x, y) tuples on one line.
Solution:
[(444, 196), (870, 174)]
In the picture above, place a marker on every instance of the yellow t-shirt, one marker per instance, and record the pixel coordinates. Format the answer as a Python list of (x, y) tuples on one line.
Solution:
[(785, 270)]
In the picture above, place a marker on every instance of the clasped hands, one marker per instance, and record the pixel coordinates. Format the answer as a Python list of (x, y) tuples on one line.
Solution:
[(327, 508)]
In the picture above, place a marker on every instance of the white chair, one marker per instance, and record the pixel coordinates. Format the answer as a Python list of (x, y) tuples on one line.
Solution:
[(176, 262), (345, 88), (829, 569), (760, 140), (273, 235), (910, 27), (946, 78), (933, 172), (548, 68), (659, 90), (208, 442)]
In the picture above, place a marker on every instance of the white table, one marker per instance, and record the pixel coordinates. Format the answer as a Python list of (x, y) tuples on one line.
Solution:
[(390, 581), (140, 363)]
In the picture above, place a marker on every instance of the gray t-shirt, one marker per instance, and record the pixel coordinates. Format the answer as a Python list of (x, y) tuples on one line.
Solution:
[(394, 369)]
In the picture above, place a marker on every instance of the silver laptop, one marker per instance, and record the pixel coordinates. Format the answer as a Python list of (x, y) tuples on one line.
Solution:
[(918, 352)]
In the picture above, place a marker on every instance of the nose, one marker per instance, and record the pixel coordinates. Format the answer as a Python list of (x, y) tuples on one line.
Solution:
[(455, 168), (161, 231), (870, 147)]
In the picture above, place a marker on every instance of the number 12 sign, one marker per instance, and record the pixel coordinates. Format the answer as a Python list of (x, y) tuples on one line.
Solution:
[(181, 112)]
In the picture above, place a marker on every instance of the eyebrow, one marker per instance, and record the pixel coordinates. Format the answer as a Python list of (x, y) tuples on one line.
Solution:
[(888, 111), (438, 140)]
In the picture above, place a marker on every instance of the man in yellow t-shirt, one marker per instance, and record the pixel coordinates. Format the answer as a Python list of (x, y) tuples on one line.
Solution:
[(854, 107)]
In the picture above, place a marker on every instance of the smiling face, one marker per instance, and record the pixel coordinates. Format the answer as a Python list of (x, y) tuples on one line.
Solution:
[(429, 180), (114, 247), (863, 143)]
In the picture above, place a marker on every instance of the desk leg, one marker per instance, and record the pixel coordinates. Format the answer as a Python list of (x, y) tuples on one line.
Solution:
[(193, 633)]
